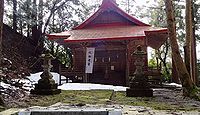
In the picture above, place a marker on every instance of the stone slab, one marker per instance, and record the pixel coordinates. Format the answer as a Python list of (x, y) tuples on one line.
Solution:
[(72, 112)]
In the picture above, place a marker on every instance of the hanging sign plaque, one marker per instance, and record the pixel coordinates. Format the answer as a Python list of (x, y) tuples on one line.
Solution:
[(89, 60)]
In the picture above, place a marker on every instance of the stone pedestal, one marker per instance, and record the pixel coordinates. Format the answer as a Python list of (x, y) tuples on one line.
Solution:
[(136, 92), (46, 85), (139, 86)]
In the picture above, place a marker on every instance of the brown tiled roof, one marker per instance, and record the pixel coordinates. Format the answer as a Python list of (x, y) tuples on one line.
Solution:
[(104, 33)]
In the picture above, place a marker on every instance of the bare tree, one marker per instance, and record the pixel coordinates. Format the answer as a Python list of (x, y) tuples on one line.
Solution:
[(56, 5)]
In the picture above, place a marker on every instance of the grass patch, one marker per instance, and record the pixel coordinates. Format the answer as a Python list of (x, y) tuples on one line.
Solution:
[(73, 97), (102, 97), (141, 101)]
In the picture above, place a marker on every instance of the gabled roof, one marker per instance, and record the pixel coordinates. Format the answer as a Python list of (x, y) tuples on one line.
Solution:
[(129, 28), (110, 6)]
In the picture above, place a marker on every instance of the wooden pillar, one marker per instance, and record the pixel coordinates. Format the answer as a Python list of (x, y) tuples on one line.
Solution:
[(85, 77), (127, 64), (60, 74)]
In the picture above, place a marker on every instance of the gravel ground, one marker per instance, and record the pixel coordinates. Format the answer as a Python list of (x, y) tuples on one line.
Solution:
[(175, 97), (125, 109)]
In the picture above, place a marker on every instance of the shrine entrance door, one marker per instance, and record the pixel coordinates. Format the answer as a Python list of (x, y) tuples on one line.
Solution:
[(109, 67)]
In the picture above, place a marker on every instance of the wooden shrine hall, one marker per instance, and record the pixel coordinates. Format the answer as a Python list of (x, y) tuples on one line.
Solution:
[(113, 35)]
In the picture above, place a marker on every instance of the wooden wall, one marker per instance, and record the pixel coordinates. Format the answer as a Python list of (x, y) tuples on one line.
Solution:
[(110, 63)]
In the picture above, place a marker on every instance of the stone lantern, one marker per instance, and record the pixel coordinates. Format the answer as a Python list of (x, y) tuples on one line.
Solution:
[(46, 85), (139, 86)]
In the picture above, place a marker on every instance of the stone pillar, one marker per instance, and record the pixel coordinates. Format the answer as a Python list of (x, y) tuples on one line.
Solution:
[(139, 86), (46, 85)]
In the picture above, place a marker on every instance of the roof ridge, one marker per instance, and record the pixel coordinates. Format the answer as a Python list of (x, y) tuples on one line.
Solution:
[(110, 4), (114, 1)]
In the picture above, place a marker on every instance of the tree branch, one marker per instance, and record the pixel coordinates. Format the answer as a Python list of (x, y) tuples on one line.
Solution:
[(52, 11)]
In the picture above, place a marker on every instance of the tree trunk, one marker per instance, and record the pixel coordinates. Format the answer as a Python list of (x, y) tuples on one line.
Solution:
[(175, 76), (28, 30), (128, 7), (14, 15), (28, 17), (1, 25), (36, 34), (164, 59), (21, 26), (194, 64), (188, 85), (53, 24), (40, 15), (189, 45), (34, 24), (40, 41), (20, 19), (53, 9), (1, 35)]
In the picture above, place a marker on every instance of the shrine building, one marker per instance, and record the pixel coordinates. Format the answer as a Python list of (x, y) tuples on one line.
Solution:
[(102, 45)]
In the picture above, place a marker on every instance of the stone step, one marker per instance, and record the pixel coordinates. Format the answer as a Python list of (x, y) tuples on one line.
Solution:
[(72, 112)]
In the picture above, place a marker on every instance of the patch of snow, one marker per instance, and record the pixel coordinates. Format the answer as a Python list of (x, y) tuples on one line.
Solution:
[(90, 86), (4, 85), (33, 79), (66, 86), (175, 84), (36, 76), (77, 86)]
